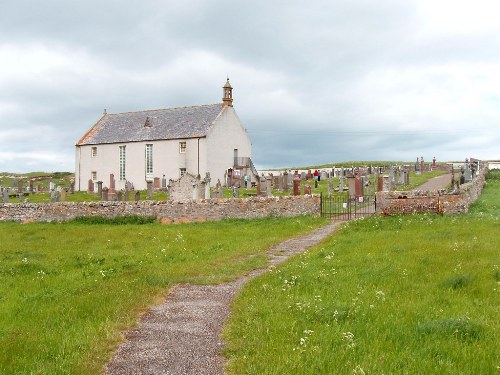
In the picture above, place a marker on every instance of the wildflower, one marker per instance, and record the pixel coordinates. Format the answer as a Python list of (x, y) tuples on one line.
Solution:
[(25, 260)]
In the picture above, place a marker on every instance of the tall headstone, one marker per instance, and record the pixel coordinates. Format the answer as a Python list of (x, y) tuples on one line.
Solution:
[(5, 195), (119, 196), (351, 182), (31, 185), (341, 184), (422, 165), (358, 187), (380, 183), (296, 184), (105, 194), (63, 195), (330, 187), (72, 187), (156, 183), (207, 185), (269, 189), (467, 171), (163, 182), (111, 190), (127, 195), (149, 189), (99, 188), (90, 187), (285, 181)]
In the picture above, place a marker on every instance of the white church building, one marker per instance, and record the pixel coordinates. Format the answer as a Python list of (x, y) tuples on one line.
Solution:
[(142, 146)]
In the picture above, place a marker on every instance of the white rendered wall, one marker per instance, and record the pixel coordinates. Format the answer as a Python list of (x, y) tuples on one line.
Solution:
[(167, 160), (223, 137)]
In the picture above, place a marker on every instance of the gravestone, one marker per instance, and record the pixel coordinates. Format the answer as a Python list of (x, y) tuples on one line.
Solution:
[(99, 188), (137, 196), (52, 196), (380, 183), (119, 195), (105, 194), (20, 186), (307, 189), (15, 183), (90, 187), (5, 195), (207, 180), (127, 195), (286, 183), (358, 187), (63, 195), (417, 167), (330, 187), (156, 183), (31, 185), (309, 174), (303, 176), (111, 190), (257, 186), (387, 184), (422, 165), (296, 184), (341, 184), (323, 175), (149, 189), (280, 183), (351, 183), (52, 185), (163, 182), (467, 172), (236, 192), (72, 187), (269, 189)]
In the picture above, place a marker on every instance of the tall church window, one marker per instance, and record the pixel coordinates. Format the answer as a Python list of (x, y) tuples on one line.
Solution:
[(122, 162), (149, 162)]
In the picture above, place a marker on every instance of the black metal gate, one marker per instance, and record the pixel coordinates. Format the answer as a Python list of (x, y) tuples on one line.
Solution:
[(347, 207)]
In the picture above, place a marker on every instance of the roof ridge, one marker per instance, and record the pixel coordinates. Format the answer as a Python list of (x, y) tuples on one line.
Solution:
[(165, 109)]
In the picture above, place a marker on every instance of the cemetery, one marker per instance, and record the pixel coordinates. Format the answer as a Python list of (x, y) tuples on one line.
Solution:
[(332, 192)]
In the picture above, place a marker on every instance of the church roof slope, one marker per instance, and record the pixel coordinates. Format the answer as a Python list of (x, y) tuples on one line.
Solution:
[(160, 124)]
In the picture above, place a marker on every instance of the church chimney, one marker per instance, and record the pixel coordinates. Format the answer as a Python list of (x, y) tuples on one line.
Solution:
[(227, 98)]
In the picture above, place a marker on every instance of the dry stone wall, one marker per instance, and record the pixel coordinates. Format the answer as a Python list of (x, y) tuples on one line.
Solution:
[(166, 211), (418, 201)]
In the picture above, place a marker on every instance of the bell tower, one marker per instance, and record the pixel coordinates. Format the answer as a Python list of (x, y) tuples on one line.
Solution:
[(227, 98)]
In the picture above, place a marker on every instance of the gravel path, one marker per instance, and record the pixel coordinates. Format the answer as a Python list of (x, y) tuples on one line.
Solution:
[(436, 183), (182, 335)]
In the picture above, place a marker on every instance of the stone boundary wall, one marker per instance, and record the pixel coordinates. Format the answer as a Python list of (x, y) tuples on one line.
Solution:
[(166, 211), (437, 201)]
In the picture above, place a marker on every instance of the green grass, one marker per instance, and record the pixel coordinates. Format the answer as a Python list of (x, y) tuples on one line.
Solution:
[(68, 290), (386, 295)]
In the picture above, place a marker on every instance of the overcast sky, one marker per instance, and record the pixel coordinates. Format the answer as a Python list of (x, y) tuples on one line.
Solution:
[(314, 82)]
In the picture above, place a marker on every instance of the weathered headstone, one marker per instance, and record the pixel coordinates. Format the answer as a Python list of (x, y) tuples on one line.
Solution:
[(286, 183), (31, 182), (119, 196), (127, 195), (105, 194), (323, 175), (52, 195), (63, 195), (303, 176), (111, 190), (351, 183), (5, 195), (156, 183), (467, 172), (341, 184), (380, 183), (269, 188), (307, 189), (99, 188), (236, 192), (72, 187), (137, 196), (163, 182), (90, 187), (358, 186), (296, 184), (207, 180), (149, 189), (330, 187)]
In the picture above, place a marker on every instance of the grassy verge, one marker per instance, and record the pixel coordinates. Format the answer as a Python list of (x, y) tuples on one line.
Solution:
[(68, 290), (401, 295)]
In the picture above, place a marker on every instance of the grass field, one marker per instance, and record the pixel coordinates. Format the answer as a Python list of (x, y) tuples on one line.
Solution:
[(68, 290), (386, 295)]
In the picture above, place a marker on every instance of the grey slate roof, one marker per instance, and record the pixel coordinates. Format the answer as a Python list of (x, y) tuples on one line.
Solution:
[(160, 124)]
